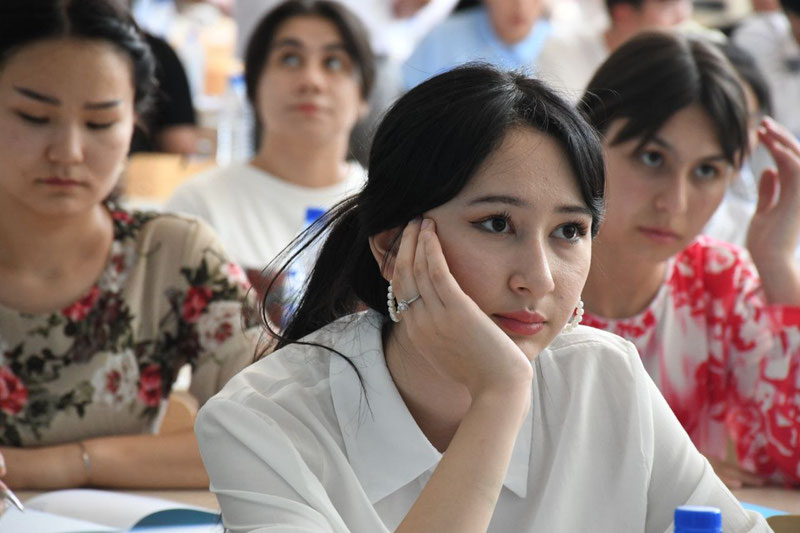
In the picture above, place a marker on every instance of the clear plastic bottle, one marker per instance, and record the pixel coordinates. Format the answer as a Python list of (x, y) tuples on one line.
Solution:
[(698, 519), (301, 267), (234, 127)]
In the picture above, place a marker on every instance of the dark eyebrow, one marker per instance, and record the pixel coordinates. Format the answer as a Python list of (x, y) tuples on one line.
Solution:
[(500, 199), (55, 101), (655, 139), (577, 209), (37, 96), (102, 105), (292, 42), (517, 202)]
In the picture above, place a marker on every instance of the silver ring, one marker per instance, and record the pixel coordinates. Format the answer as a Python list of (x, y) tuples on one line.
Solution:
[(402, 305)]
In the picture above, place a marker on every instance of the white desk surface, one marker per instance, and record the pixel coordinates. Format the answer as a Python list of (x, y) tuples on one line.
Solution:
[(785, 500)]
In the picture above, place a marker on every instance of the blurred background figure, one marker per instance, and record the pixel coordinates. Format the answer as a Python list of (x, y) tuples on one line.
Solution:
[(772, 38), (507, 33), (394, 28), (573, 53), (309, 72), (171, 126)]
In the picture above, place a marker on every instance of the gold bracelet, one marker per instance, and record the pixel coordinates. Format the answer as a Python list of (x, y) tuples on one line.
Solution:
[(86, 460)]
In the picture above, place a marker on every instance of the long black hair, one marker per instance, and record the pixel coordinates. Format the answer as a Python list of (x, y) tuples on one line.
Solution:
[(656, 74), (428, 146), (25, 22)]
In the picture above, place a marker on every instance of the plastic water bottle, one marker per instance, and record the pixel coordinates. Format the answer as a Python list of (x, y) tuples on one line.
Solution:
[(234, 132), (698, 519), (301, 267)]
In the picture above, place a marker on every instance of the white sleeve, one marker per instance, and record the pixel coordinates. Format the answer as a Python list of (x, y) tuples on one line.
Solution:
[(261, 481), (680, 475)]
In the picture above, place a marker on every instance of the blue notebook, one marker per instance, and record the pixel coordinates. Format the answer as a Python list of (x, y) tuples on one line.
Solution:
[(87, 510)]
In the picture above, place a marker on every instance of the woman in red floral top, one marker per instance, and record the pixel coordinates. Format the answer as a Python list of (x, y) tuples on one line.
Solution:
[(99, 307), (718, 328)]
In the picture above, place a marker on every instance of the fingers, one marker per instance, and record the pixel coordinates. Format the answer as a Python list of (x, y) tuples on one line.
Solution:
[(438, 273), (771, 130), (767, 188), (425, 284), (402, 275)]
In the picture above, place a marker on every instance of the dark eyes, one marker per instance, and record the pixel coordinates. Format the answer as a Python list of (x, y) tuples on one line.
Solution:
[(706, 172), (703, 171), (496, 224), (571, 231), (294, 60), (334, 63), (290, 60), (40, 121), (32, 119), (651, 158)]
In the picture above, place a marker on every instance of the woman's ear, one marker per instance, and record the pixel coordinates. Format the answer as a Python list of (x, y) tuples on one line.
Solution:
[(384, 249)]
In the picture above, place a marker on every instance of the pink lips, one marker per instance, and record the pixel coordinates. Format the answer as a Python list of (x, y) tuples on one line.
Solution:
[(660, 235), (57, 181), (307, 108), (521, 322)]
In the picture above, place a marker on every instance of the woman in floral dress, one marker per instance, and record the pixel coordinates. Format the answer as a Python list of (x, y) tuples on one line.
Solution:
[(99, 306), (717, 326)]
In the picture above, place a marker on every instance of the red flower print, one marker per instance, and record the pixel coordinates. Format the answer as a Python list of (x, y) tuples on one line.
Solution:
[(150, 386), (13, 394), (195, 303), (223, 332), (113, 380), (119, 263), (122, 216), (236, 274), (80, 309)]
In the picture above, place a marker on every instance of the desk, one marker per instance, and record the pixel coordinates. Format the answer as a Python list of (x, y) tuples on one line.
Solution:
[(201, 498), (784, 500)]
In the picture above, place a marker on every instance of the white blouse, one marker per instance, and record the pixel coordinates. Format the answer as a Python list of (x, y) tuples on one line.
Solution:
[(296, 442)]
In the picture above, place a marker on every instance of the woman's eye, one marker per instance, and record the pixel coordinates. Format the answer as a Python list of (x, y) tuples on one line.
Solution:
[(651, 158), (290, 60), (496, 224), (706, 172), (334, 63), (99, 125), (570, 232), (31, 118)]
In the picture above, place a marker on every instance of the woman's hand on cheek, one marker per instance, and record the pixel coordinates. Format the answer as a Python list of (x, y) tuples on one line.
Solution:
[(447, 326)]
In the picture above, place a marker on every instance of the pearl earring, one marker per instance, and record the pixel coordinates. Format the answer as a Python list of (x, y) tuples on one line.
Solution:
[(576, 317)]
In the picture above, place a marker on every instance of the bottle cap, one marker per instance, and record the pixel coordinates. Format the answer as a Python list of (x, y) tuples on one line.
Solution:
[(695, 518), (313, 213)]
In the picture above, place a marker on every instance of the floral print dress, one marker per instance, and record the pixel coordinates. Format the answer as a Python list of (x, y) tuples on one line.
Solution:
[(105, 364), (727, 362)]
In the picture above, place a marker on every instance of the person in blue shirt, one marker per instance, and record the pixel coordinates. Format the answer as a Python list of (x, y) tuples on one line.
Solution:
[(506, 33)]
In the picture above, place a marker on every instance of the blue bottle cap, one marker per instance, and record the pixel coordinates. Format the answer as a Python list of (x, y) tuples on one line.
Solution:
[(313, 213), (696, 518)]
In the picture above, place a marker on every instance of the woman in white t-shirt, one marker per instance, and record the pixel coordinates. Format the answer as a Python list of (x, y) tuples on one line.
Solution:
[(454, 402), (309, 70)]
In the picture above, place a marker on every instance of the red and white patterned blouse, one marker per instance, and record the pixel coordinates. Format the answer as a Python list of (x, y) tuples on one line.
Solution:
[(726, 360)]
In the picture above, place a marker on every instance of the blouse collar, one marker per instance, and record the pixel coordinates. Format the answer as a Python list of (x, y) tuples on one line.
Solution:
[(384, 444)]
